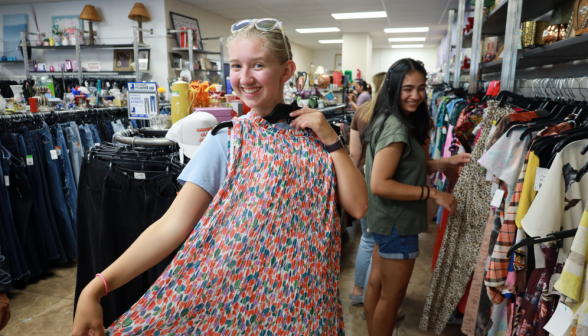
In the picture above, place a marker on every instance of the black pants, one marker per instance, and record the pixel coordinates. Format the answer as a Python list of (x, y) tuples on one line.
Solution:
[(5, 279), (114, 208)]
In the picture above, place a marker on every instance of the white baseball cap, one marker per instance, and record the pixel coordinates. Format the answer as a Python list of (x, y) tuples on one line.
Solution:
[(190, 131)]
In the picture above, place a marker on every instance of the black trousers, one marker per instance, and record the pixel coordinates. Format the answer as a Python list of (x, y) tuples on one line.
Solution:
[(114, 208)]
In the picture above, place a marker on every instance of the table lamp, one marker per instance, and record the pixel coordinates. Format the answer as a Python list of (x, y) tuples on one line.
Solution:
[(139, 14), (89, 13)]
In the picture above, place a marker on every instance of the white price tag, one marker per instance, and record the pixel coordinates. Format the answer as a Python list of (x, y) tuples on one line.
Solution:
[(446, 117), (497, 198), (140, 176), (175, 93), (53, 154), (96, 144), (540, 176), (494, 187), (7, 180), (58, 150), (29, 160), (444, 130), (561, 320), (181, 156), (552, 282), (78, 147)]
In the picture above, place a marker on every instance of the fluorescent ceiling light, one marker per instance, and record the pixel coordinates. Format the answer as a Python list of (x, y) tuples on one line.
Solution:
[(406, 30), (318, 30), (330, 41), (364, 15), (407, 39), (406, 46)]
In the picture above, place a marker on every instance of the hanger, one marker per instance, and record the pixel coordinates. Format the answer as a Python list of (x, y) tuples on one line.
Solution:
[(280, 112), (538, 240)]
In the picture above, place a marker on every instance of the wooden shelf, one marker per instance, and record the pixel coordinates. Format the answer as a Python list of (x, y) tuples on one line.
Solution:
[(195, 70)]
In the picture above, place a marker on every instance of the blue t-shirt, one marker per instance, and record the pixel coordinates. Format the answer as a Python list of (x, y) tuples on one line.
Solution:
[(208, 168)]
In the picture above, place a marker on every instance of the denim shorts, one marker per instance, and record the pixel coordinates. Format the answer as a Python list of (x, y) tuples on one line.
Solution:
[(396, 246)]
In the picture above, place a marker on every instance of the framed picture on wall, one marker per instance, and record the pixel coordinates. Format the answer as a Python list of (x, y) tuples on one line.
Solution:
[(180, 21), (123, 59), (144, 60), (339, 62)]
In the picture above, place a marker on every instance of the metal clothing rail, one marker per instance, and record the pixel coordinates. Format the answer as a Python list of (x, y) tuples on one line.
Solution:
[(58, 113), (128, 137)]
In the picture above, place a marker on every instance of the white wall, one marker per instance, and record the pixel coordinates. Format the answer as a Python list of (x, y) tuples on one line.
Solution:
[(302, 56), (114, 28), (357, 54), (326, 58), (382, 59)]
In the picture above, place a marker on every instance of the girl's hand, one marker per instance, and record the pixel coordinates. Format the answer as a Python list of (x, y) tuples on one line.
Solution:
[(444, 199), (352, 97), (458, 160), (316, 121), (88, 320)]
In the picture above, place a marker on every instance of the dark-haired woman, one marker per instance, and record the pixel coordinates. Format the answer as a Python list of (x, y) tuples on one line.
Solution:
[(396, 170), (364, 91)]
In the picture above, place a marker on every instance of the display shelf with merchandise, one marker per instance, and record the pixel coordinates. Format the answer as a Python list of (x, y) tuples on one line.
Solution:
[(568, 50), (494, 66), (94, 46), (196, 51)]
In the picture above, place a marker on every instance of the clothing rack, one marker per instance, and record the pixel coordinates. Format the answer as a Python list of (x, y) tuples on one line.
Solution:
[(60, 113), (538, 240), (128, 137)]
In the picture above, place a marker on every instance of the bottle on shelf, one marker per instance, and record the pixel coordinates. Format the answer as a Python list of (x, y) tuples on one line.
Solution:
[(288, 93)]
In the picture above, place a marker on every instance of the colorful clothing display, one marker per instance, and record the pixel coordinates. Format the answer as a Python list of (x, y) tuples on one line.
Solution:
[(264, 258)]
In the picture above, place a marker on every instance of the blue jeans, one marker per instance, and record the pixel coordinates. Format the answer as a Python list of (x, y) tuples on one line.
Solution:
[(42, 199), (364, 255), (110, 130), (95, 135), (75, 151), (60, 209), (16, 263), (69, 183), (396, 246), (86, 137), (5, 279)]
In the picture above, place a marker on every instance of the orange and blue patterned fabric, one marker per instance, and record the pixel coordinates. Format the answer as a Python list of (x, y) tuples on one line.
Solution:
[(264, 258)]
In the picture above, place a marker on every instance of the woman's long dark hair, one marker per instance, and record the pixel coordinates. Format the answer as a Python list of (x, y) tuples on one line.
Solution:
[(364, 86), (388, 103)]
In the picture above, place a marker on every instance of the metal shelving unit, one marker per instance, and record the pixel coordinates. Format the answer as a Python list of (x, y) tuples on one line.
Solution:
[(136, 46), (191, 51)]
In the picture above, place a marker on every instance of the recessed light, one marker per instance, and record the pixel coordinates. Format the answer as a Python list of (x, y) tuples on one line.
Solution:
[(407, 39), (406, 30), (406, 46), (363, 15), (317, 30), (330, 41)]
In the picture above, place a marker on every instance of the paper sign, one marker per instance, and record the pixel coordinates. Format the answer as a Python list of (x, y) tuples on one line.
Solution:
[(497, 198), (552, 281), (540, 175), (53, 154), (58, 150), (29, 160), (140, 176), (6, 180), (560, 322)]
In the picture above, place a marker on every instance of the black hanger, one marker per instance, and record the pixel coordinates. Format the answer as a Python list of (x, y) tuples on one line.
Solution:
[(538, 240), (280, 112)]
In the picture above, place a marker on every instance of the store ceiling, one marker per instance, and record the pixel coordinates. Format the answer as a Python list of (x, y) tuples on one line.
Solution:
[(317, 13)]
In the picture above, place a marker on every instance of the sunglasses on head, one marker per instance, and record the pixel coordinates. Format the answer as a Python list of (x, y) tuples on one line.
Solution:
[(263, 25)]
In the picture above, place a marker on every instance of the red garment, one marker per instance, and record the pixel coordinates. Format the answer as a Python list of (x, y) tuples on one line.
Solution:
[(439, 237), (461, 306), (524, 116)]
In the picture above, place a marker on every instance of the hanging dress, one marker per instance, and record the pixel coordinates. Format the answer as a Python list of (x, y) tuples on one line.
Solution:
[(264, 258)]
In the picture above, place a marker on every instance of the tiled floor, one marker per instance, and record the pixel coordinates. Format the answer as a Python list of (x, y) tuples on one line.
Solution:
[(45, 308)]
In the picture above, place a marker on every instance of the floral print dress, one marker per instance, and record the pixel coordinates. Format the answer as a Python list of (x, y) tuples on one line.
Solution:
[(264, 259)]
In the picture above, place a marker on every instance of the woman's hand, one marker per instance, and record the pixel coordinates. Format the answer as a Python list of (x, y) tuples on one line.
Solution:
[(458, 160), (88, 319), (316, 121), (351, 97), (444, 199)]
